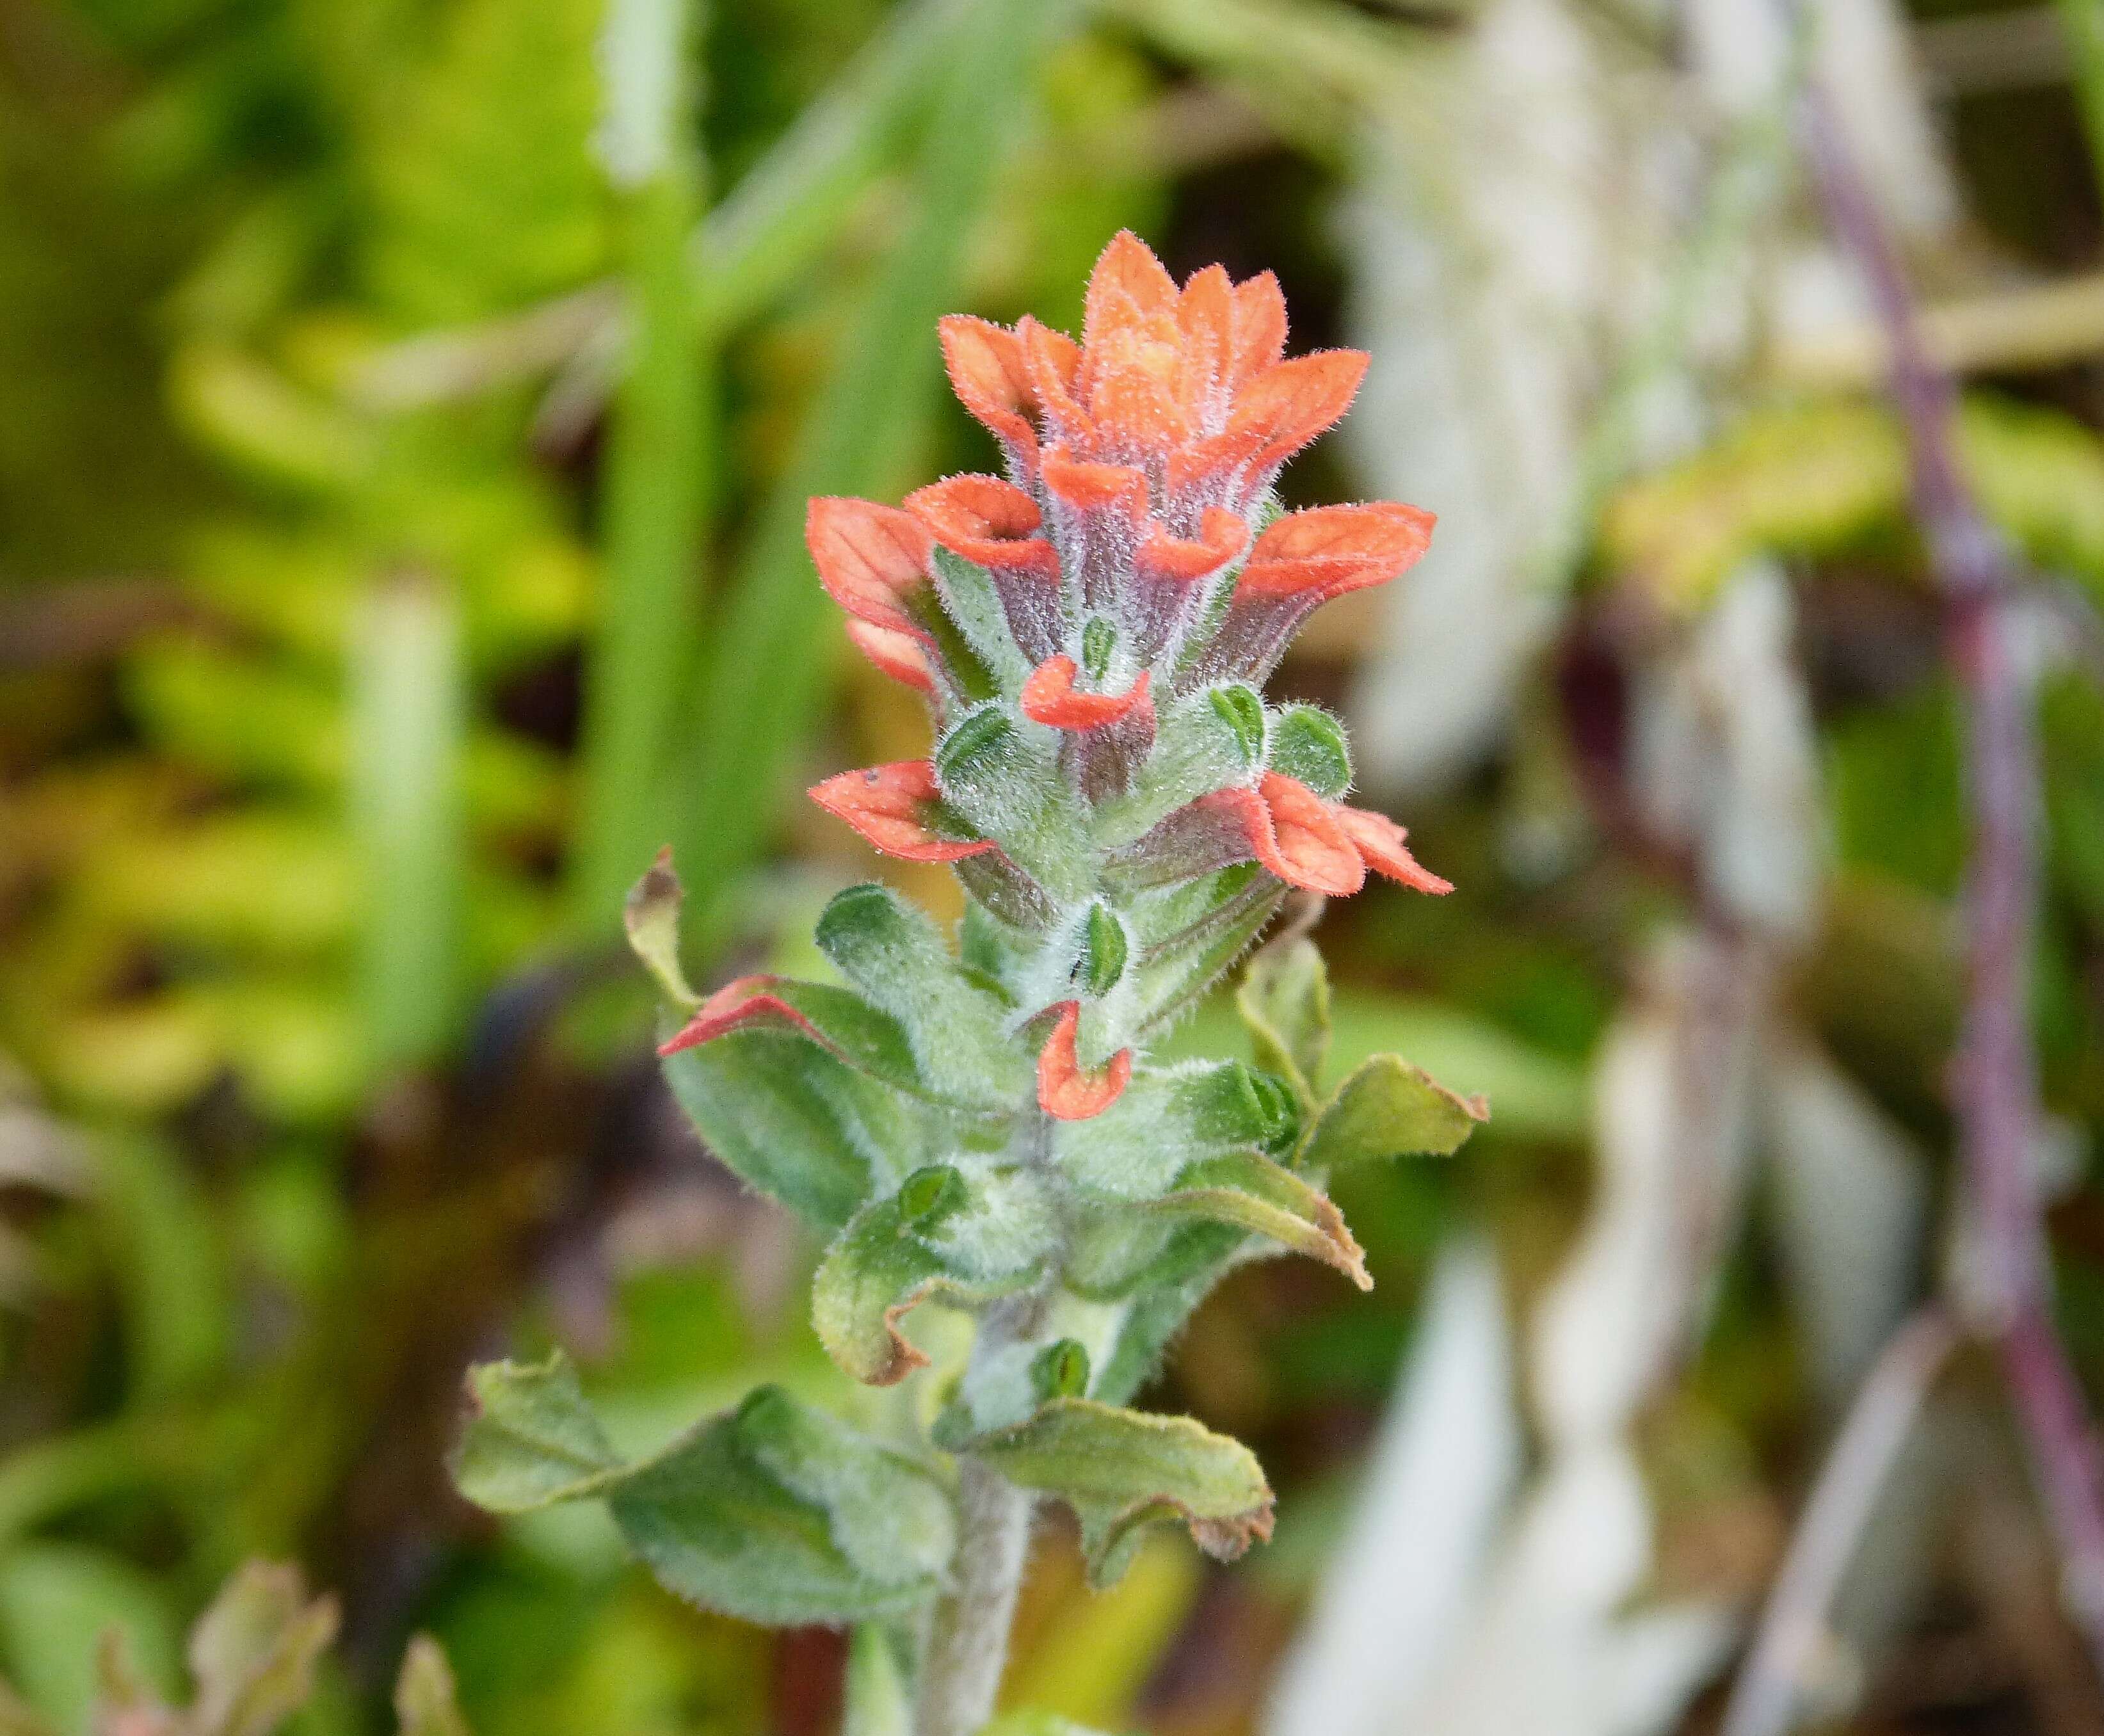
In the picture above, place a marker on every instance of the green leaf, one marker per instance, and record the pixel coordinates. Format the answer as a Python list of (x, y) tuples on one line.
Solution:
[(531, 1439), (964, 1240), (1285, 1000), (1308, 743), (1122, 1471), (1388, 1109), (1104, 949), (774, 1512), (1137, 1147), (779, 1514), (426, 1703), (1246, 1190), (253, 1652), (794, 1119), (651, 916), (891, 951), (1006, 781)]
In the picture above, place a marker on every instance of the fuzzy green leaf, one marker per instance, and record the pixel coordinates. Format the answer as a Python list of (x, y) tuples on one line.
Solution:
[(777, 1513), (1248, 1190), (796, 1120), (891, 951), (1204, 741), (1308, 743), (971, 609), (1285, 1002), (1122, 1471), (1006, 780), (1388, 1109), (941, 1235), (774, 1512), (1177, 972), (531, 1439)]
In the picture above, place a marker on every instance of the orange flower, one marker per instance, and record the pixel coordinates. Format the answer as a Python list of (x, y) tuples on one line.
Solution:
[(1188, 383), (870, 559), (895, 808), (898, 655), (1290, 829), (1301, 561), (1318, 845), (1064, 1090)]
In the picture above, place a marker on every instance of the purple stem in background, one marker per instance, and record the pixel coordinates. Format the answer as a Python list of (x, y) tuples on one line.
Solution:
[(1995, 1083)]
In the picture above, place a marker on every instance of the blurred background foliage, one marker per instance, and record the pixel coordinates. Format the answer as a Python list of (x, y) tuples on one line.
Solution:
[(409, 409)]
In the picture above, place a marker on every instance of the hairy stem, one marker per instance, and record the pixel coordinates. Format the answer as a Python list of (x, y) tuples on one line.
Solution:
[(968, 1637), (1997, 1086)]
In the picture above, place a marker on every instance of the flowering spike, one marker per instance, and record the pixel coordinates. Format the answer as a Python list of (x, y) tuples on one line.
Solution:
[(973, 1120), (1065, 1092)]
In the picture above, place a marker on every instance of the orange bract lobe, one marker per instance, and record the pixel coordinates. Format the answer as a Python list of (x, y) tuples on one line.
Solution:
[(867, 556), (736, 1006), (1049, 698), (984, 519), (1328, 551), (1064, 1090), (891, 807)]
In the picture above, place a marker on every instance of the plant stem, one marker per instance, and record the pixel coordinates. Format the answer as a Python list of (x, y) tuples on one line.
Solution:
[(968, 1635), (1997, 1085), (1793, 1626)]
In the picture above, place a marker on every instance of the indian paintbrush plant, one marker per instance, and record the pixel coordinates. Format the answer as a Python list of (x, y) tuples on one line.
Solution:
[(972, 1121)]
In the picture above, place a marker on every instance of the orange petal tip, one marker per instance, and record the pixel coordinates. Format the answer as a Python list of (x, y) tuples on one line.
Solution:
[(1379, 842)]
